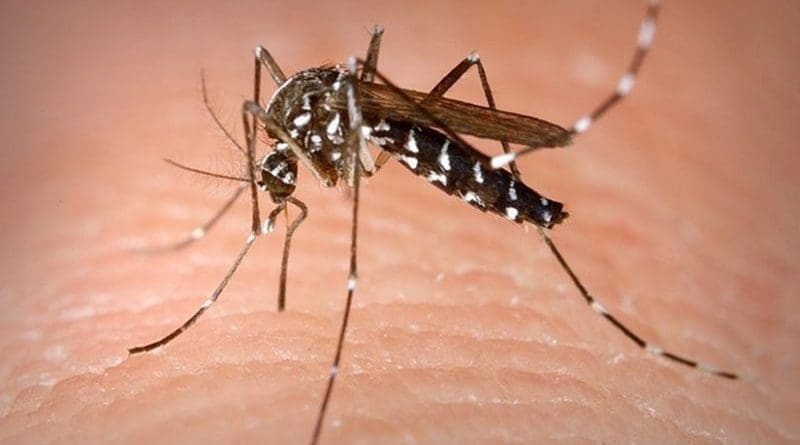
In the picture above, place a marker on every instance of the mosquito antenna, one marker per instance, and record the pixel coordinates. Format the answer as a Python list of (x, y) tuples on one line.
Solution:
[(204, 172), (213, 114), (600, 309)]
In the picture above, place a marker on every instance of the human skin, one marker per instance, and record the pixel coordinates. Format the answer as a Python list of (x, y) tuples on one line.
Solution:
[(684, 222)]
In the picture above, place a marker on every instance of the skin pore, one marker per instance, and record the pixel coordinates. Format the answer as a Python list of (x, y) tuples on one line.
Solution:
[(464, 330)]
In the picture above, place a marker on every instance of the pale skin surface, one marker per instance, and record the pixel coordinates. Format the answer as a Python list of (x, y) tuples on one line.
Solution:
[(684, 223)]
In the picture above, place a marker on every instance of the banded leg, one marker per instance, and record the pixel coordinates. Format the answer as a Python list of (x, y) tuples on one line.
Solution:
[(204, 307), (562, 262), (455, 75), (253, 108), (355, 137), (270, 222), (601, 310), (199, 232), (624, 86)]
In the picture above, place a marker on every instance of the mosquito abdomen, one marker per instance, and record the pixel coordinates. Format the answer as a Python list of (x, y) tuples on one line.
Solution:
[(464, 172)]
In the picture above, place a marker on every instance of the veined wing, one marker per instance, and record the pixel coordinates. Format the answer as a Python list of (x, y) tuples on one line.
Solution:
[(379, 101)]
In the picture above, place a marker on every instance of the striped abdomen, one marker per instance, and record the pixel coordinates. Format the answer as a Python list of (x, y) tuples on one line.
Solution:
[(464, 172)]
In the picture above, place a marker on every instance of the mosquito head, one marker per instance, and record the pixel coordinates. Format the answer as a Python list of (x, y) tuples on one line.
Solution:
[(278, 174)]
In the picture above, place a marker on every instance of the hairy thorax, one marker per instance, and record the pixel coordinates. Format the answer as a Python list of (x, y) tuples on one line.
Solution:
[(304, 106)]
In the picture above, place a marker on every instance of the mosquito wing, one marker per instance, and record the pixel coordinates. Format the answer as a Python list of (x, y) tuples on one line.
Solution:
[(379, 101)]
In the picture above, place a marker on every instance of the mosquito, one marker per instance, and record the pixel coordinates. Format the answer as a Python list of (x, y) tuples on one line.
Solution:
[(324, 117)]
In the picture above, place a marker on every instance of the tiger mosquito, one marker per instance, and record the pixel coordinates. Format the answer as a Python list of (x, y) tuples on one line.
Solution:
[(323, 118)]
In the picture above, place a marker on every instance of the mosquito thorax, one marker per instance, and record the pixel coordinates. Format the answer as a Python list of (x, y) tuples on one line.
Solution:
[(304, 106)]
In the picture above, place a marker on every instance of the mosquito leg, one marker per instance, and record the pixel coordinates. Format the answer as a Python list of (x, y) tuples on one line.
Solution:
[(600, 309), (624, 86), (204, 307), (286, 245), (265, 58), (199, 232), (356, 137), (367, 162), (628, 80), (371, 64), (368, 75), (250, 129), (455, 75), (595, 305), (442, 87), (214, 296), (422, 109)]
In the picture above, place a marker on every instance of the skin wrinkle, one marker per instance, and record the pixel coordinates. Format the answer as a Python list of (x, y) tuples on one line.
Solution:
[(682, 155)]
